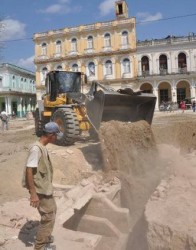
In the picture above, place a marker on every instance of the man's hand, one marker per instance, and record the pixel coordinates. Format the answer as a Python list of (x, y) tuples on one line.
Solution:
[(34, 200)]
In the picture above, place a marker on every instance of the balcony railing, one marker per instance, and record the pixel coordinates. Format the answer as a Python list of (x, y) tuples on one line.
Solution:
[(162, 72), (89, 50), (124, 46), (107, 48), (182, 70), (154, 42)]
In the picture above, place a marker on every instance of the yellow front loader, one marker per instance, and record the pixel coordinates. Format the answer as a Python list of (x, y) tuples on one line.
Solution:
[(66, 104)]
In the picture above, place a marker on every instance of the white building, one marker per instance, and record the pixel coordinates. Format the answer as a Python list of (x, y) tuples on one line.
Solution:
[(17, 90), (167, 67)]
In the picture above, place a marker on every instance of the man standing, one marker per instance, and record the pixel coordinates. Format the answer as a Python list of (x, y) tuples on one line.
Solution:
[(4, 119), (37, 179)]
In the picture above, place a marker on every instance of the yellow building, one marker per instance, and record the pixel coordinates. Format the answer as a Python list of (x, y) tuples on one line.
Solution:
[(104, 51)]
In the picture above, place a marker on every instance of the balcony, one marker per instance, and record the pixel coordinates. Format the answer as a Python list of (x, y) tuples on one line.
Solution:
[(41, 58), (107, 48), (108, 76), (125, 46), (73, 53), (126, 75), (182, 70), (145, 73), (89, 51), (163, 71), (57, 55)]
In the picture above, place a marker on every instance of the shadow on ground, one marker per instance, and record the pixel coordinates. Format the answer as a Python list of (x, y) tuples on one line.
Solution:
[(28, 232)]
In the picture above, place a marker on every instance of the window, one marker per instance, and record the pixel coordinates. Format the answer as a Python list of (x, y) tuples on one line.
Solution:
[(74, 45), (58, 47), (107, 40), (125, 38), (59, 67), (126, 66), (75, 67), (1, 82), (163, 64), (43, 74), (44, 49), (108, 67), (13, 82), (181, 94), (164, 95), (90, 42), (91, 69), (182, 66), (145, 65)]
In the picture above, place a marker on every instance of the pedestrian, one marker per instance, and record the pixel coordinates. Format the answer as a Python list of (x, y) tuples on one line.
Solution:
[(193, 106), (182, 106), (37, 178), (4, 119)]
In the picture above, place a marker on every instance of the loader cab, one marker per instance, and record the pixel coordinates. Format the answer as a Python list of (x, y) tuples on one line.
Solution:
[(59, 82)]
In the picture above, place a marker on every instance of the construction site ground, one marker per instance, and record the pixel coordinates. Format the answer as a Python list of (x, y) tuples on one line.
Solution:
[(134, 189)]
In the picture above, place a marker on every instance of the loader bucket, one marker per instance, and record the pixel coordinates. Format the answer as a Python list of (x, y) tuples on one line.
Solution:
[(107, 106)]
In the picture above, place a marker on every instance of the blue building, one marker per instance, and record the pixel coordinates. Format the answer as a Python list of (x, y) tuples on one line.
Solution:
[(17, 90)]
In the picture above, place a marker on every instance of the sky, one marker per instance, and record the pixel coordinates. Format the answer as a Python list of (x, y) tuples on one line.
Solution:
[(21, 19)]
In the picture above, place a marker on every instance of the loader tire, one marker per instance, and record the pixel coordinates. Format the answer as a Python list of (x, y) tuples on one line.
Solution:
[(38, 123), (69, 126)]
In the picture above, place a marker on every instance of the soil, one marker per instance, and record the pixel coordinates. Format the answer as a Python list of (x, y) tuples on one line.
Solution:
[(139, 154)]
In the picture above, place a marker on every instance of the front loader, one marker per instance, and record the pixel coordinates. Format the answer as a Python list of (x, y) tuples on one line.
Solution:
[(66, 104)]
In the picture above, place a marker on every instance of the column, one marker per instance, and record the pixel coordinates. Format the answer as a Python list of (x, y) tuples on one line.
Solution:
[(156, 93), (192, 88), (19, 108), (139, 68), (174, 94), (9, 105)]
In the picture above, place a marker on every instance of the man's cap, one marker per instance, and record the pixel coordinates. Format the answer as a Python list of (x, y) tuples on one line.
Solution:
[(51, 128)]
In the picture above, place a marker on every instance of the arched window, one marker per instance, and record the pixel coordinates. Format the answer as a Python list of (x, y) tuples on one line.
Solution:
[(44, 49), (126, 66), (107, 40), (91, 69), (75, 67), (90, 42), (43, 74), (74, 44), (58, 47), (145, 65), (59, 67), (125, 40), (163, 64), (108, 67), (181, 61)]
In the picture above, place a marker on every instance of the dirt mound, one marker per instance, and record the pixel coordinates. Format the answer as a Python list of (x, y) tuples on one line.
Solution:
[(181, 135)]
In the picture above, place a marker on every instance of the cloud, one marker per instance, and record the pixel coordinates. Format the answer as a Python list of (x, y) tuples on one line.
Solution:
[(147, 17), (27, 63), (106, 7), (62, 7), (12, 29), (54, 9)]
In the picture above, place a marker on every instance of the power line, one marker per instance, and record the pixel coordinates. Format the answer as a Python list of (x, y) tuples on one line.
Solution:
[(16, 40), (140, 22), (168, 18)]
